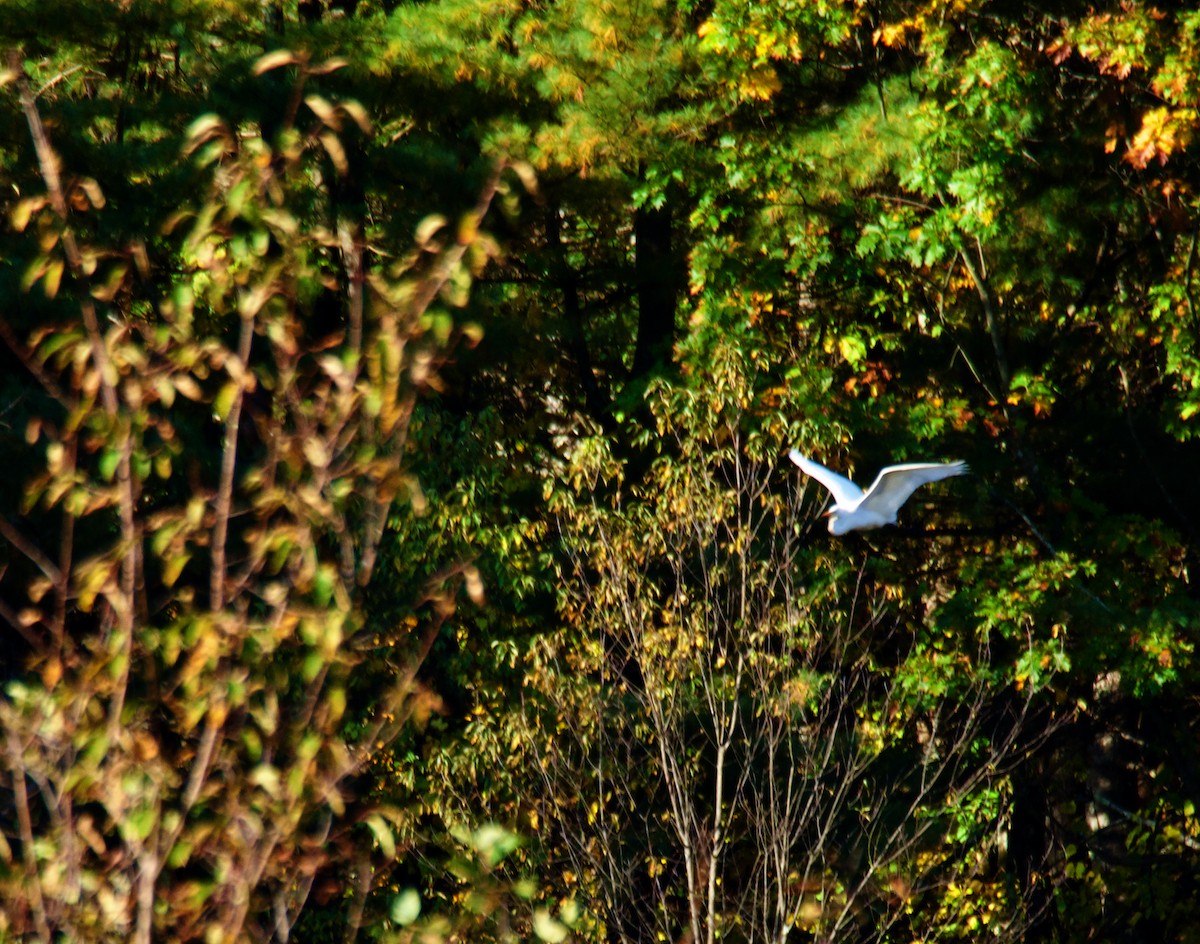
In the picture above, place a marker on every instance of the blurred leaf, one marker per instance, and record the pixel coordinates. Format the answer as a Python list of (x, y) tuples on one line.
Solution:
[(337, 154), (406, 907), (324, 110), (274, 60), (52, 277), (387, 843), (224, 400), (107, 290), (24, 209), (494, 843), (329, 66), (428, 227), (546, 927)]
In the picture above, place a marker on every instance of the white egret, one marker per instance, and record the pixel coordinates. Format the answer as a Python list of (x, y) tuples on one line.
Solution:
[(856, 510)]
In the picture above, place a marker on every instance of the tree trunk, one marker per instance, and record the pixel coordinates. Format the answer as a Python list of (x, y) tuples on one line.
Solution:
[(657, 274)]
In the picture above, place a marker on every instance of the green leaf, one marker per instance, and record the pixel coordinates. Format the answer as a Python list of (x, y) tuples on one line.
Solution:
[(223, 402), (852, 349), (179, 855), (312, 665), (142, 821), (525, 888), (406, 907), (494, 843), (107, 464)]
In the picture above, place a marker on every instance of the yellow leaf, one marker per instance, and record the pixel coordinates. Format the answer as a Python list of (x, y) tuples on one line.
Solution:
[(173, 567), (894, 34), (20, 214), (1157, 138), (51, 673), (316, 453), (760, 83)]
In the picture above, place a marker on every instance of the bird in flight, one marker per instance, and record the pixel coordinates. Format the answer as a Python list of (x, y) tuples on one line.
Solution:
[(856, 510)]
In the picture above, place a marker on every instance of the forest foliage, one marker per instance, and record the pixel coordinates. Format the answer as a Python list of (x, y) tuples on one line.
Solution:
[(400, 544)]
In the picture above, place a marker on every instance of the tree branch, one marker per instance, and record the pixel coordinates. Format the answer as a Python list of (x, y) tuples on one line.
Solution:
[(224, 496)]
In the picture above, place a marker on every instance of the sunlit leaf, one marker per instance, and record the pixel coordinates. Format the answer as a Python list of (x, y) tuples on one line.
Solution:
[(92, 190), (202, 130), (107, 290), (357, 113), (382, 832), (428, 227), (323, 109), (548, 928), (337, 153), (224, 400), (173, 566), (494, 843), (22, 211), (316, 452), (274, 60), (329, 66), (53, 277)]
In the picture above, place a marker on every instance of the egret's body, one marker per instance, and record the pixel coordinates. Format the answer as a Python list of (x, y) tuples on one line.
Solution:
[(856, 510)]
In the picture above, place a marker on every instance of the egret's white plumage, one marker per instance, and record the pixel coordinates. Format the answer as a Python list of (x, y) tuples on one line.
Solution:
[(856, 510)]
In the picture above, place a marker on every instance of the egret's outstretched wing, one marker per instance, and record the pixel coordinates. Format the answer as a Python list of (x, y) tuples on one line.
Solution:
[(845, 492), (896, 483)]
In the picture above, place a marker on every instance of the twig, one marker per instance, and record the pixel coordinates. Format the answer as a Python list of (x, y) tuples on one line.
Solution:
[(48, 164), (31, 551), (33, 881), (1143, 821), (50, 83), (989, 315), (445, 266), (224, 497), (124, 608), (26, 357)]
